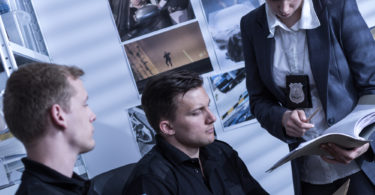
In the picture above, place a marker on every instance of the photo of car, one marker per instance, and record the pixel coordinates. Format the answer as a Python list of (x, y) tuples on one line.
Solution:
[(231, 98), (134, 18), (241, 111), (225, 82)]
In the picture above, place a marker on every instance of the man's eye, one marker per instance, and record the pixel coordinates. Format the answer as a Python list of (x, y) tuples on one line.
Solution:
[(197, 112)]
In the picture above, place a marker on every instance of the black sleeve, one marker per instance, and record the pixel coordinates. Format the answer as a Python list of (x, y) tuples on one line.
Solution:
[(249, 184), (147, 185)]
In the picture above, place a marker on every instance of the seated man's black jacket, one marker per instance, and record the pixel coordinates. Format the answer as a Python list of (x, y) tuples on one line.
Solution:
[(40, 179), (167, 170)]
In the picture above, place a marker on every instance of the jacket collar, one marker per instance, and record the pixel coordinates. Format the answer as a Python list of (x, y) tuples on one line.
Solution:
[(319, 45), (175, 155), (49, 175)]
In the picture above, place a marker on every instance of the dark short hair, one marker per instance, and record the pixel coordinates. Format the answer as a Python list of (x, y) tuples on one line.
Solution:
[(160, 92), (30, 93)]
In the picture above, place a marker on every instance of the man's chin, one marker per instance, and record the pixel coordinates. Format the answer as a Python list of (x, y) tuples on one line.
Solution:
[(211, 139), (88, 148)]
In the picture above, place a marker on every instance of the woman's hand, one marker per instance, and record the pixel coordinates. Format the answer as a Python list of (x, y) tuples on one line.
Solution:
[(342, 155), (295, 123)]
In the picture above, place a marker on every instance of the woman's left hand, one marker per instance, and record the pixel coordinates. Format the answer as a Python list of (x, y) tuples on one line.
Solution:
[(342, 155)]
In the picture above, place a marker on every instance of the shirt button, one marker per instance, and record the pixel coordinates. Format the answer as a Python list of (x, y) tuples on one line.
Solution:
[(331, 121), (196, 171)]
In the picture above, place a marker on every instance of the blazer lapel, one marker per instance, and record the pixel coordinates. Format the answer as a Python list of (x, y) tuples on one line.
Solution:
[(267, 47), (318, 40)]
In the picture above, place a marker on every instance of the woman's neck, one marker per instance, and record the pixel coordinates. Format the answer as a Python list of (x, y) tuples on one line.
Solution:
[(293, 19)]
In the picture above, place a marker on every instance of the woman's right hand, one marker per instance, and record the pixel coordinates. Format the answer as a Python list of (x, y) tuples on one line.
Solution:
[(295, 123)]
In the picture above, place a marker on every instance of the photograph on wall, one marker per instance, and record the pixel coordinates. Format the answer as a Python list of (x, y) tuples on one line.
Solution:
[(223, 19), (80, 168), (4, 131), (134, 18), (231, 98), (179, 48), (11, 153), (143, 133), (11, 150)]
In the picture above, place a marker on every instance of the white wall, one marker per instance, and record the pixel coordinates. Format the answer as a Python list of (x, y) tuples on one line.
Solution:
[(82, 33), (367, 9)]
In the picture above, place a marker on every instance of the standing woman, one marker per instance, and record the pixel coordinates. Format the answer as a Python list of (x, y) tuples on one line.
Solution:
[(308, 55)]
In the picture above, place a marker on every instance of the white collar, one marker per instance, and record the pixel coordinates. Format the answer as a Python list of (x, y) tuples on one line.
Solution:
[(308, 20)]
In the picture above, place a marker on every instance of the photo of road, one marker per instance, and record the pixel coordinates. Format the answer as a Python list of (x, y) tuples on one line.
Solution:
[(180, 48), (231, 98)]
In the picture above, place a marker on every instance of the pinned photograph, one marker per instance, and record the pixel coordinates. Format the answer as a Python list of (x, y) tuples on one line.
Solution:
[(224, 30), (134, 18), (11, 153), (4, 130), (143, 133), (231, 98), (180, 48)]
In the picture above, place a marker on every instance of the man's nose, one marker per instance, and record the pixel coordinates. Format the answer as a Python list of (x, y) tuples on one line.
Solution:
[(93, 116), (211, 118)]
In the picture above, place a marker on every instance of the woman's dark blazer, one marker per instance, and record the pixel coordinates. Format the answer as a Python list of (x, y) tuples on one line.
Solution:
[(342, 58)]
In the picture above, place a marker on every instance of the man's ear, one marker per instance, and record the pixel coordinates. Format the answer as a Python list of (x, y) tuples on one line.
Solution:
[(166, 127), (58, 116)]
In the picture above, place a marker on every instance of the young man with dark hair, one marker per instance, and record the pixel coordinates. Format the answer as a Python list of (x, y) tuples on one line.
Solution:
[(45, 107), (186, 158)]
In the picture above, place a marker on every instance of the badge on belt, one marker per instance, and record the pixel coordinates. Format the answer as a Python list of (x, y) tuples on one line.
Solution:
[(298, 91)]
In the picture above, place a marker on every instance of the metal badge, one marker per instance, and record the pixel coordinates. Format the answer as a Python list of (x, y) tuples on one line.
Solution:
[(296, 94), (298, 91)]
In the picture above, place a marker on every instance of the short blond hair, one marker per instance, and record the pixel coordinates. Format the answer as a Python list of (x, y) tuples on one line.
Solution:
[(30, 93)]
